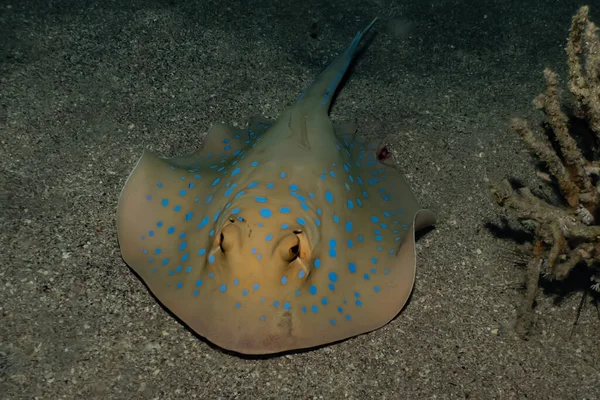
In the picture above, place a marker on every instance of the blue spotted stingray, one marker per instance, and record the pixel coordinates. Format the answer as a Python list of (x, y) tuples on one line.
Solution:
[(288, 234)]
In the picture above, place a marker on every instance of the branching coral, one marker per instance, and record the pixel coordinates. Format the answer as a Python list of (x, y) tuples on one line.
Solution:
[(565, 235)]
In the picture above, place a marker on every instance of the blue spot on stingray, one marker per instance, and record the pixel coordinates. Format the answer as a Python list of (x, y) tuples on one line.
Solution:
[(301, 274), (269, 237), (352, 267), (171, 230), (358, 303), (211, 258), (333, 276), (255, 286), (235, 211), (361, 238), (265, 212), (367, 277), (324, 301), (201, 252), (374, 219), (336, 219), (284, 280), (182, 192), (240, 194), (149, 197), (284, 210), (313, 290), (228, 191), (376, 289), (378, 238), (245, 292), (254, 163), (177, 208), (159, 224), (304, 206), (374, 260), (261, 199), (151, 233), (216, 181), (282, 175), (189, 216), (293, 187), (276, 304), (252, 185), (301, 221), (223, 288), (349, 226), (318, 222), (287, 306), (182, 246), (350, 243), (319, 211), (270, 185), (159, 184), (157, 251), (317, 263), (164, 202), (350, 204), (328, 197), (314, 308), (208, 199)]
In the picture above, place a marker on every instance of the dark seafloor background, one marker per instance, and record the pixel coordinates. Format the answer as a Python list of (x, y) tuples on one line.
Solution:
[(85, 86)]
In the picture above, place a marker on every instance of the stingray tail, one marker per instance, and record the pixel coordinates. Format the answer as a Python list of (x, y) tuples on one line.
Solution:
[(321, 90)]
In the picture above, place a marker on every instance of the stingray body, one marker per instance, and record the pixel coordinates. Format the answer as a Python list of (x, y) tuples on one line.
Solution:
[(288, 234)]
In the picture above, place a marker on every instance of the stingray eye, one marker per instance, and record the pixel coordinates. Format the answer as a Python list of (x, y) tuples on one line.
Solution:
[(221, 239), (289, 247), (229, 238), (294, 251)]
